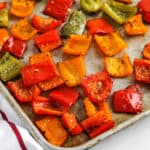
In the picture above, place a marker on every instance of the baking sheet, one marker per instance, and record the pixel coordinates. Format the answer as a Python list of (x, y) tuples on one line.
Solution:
[(94, 63)]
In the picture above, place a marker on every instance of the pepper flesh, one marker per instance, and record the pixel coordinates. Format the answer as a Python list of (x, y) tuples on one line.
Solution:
[(146, 51), (58, 8), (142, 70), (70, 122), (53, 130), (48, 41), (119, 12), (77, 44), (110, 44), (72, 71), (99, 26), (119, 67), (23, 30), (91, 6), (135, 26), (9, 67), (4, 21), (45, 24), (22, 8), (128, 100), (15, 46), (75, 24)]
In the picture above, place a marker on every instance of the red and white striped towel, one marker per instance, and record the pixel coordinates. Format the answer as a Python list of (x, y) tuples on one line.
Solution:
[(13, 137)]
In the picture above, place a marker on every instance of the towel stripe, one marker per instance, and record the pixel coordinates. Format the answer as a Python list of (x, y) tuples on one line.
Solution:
[(15, 130)]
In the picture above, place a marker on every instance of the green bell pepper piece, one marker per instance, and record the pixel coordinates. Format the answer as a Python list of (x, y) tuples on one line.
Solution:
[(91, 6), (4, 18), (118, 11), (75, 25), (9, 67)]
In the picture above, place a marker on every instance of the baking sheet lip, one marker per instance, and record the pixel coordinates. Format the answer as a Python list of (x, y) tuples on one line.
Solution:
[(47, 146)]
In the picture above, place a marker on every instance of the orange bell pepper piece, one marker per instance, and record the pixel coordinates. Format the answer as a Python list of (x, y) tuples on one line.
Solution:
[(89, 107), (119, 67), (77, 44), (146, 51), (135, 26), (53, 130), (72, 71), (4, 35), (110, 44), (23, 30), (48, 84), (22, 8)]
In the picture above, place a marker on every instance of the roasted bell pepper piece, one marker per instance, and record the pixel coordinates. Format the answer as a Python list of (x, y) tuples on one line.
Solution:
[(48, 84), (70, 122), (77, 44), (23, 30), (97, 87), (22, 8), (9, 67), (20, 92), (15, 46), (40, 57), (53, 130), (35, 73), (110, 44), (48, 41), (101, 129), (99, 26), (142, 70), (64, 95), (72, 71), (44, 107), (4, 35), (144, 8), (4, 21), (135, 26), (105, 109), (91, 6), (125, 1), (119, 67), (75, 25), (146, 51), (45, 24), (128, 100), (3, 5), (119, 12), (58, 8), (89, 107), (51, 84)]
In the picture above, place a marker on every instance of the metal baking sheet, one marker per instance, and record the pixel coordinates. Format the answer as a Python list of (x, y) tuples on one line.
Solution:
[(94, 63)]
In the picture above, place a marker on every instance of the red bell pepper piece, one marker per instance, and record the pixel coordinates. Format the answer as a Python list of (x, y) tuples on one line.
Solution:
[(45, 24), (101, 129), (21, 93), (48, 41), (99, 26), (142, 70), (144, 8), (69, 120), (15, 46), (97, 87), (64, 95), (45, 108), (58, 8), (35, 73), (3, 5), (128, 100)]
